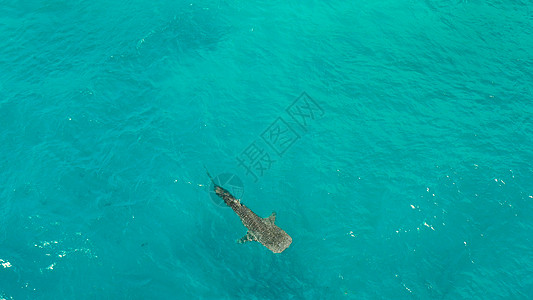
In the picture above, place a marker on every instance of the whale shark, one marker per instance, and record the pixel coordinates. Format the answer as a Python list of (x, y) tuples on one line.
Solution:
[(262, 230)]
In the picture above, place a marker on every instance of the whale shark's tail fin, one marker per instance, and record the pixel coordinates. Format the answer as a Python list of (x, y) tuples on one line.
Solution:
[(209, 175)]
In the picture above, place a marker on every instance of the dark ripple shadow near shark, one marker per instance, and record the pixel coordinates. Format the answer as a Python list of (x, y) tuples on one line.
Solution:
[(262, 230)]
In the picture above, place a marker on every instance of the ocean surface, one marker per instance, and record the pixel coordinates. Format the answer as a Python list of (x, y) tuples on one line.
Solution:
[(394, 139)]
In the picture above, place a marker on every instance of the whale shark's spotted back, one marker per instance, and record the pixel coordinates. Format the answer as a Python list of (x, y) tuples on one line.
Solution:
[(263, 230)]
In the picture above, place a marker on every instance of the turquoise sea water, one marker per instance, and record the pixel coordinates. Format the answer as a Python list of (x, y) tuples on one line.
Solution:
[(413, 178)]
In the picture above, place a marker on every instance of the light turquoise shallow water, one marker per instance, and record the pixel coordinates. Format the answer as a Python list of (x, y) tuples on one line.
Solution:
[(412, 181)]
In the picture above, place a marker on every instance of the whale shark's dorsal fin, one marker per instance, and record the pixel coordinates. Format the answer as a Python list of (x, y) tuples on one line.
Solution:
[(247, 238), (272, 218)]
